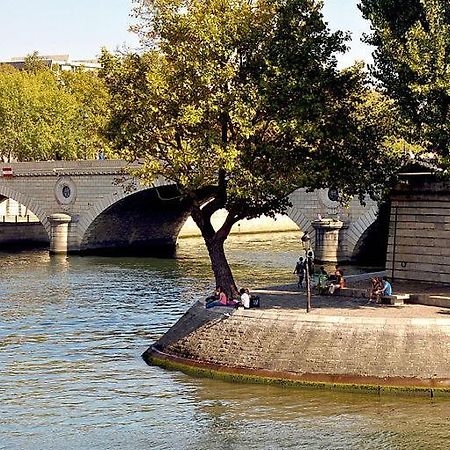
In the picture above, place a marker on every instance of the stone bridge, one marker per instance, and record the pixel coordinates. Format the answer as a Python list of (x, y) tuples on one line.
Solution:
[(94, 206)]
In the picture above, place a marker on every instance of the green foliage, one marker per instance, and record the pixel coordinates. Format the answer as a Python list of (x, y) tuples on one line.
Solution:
[(412, 63), (240, 102), (45, 115), (33, 63), (250, 89)]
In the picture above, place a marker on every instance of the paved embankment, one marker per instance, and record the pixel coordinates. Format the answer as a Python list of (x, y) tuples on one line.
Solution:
[(343, 343)]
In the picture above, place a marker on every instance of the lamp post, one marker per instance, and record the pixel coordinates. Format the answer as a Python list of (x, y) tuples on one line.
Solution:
[(306, 242)]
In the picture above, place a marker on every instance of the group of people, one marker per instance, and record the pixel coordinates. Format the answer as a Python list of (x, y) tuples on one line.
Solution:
[(322, 281), (220, 298), (380, 288)]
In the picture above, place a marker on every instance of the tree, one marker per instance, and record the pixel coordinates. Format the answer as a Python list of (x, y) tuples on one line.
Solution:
[(239, 103), (33, 63), (412, 65), (47, 115)]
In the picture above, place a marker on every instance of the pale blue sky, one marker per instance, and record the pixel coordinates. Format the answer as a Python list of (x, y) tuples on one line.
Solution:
[(81, 27)]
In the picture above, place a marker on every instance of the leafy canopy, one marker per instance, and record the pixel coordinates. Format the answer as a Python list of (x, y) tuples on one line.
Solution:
[(412, 64), (241, 95), (46, 115), (239, 103)]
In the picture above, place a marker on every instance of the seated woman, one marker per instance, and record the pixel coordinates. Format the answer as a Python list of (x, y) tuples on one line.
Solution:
[(376, 289), (222, 299), (214, 296)]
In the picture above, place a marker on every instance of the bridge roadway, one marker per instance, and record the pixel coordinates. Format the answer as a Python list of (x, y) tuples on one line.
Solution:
[(95, 206)]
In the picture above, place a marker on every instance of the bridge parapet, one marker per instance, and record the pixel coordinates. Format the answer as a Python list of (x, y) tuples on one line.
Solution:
[(58, 168)]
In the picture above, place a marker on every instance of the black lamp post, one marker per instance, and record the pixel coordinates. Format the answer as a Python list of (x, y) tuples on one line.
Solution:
[(306, 242)]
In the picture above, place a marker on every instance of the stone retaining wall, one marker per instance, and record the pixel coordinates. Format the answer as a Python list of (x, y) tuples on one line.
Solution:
[(288, 346), (419, 235), (33, 233)]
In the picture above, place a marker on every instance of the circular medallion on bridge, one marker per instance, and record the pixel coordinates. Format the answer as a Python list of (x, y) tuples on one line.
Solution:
[(333, 194), (65, 191), (328, 199)]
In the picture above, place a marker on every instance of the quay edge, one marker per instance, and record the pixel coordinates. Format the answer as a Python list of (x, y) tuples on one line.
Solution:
[(289, 348)]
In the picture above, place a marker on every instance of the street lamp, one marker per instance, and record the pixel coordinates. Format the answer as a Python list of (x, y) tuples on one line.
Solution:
[(306, 242)]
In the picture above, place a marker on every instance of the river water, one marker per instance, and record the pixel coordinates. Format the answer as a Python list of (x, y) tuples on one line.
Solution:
[(72, 331)]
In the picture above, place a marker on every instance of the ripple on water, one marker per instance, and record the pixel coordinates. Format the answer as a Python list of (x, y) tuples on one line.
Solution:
[(72, 334)]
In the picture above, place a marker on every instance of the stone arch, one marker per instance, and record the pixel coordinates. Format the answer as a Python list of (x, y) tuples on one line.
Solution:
[(29, 203), (358, 231), (303, 222), (371, 246), (108, 201), (146, 221)]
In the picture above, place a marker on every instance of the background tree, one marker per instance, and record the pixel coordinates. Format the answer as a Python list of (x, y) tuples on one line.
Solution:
[(412, 65), (48, 115), (239, 103)]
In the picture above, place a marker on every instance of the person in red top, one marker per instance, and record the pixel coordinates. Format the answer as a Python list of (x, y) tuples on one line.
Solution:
[(223, 300)]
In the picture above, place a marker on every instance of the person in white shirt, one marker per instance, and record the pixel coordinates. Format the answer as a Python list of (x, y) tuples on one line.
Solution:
[(245, 298)]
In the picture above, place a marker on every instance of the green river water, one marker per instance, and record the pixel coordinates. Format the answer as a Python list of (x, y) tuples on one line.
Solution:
[(72, 331)]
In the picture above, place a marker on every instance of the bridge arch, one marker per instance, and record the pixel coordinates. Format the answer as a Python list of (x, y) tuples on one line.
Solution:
[(146, 221), (371, 246), (302, 220), (359, 230), (29, 203)]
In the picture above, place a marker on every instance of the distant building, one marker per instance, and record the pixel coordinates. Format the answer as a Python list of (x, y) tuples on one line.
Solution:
[(57, 62)]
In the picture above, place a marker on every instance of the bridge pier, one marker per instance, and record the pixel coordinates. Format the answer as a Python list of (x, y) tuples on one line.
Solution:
[(59, 232), (330, 240)]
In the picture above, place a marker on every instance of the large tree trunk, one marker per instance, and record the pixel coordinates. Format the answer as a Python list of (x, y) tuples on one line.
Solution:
[(214, 241), (221, 268)]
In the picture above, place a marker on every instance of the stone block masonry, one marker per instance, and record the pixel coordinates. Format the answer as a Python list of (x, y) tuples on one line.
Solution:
[(110, 211), (30, 233), (419, 236), (375, 354)]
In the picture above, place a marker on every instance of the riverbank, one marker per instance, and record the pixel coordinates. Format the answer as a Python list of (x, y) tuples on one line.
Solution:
[(344, 343)]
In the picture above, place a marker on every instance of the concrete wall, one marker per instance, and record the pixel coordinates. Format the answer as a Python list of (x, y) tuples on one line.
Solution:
[(261, 225), (23, 233), (285, 344), (419, 233)]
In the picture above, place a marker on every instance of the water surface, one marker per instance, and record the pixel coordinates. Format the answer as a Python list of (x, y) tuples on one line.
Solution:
[(72, 331)]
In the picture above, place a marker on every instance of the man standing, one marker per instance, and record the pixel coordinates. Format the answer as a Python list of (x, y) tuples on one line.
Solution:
[(300, 271)]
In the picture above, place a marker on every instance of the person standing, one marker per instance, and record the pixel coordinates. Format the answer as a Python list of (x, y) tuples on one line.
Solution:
[(300, 271)]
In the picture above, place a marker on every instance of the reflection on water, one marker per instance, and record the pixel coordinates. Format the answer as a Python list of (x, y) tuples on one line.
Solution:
[(72, 332)]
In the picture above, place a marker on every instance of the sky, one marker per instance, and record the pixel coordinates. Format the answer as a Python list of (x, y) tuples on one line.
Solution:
[(81, 28)]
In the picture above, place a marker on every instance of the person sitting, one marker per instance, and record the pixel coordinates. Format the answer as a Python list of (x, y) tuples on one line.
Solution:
[(214, 296), (336, 276), (245, 298), (322, 282), (385, 289), (222, 299), (376, 288)]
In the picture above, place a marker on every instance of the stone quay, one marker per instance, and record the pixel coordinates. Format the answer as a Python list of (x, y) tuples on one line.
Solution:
[(345, 343)]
